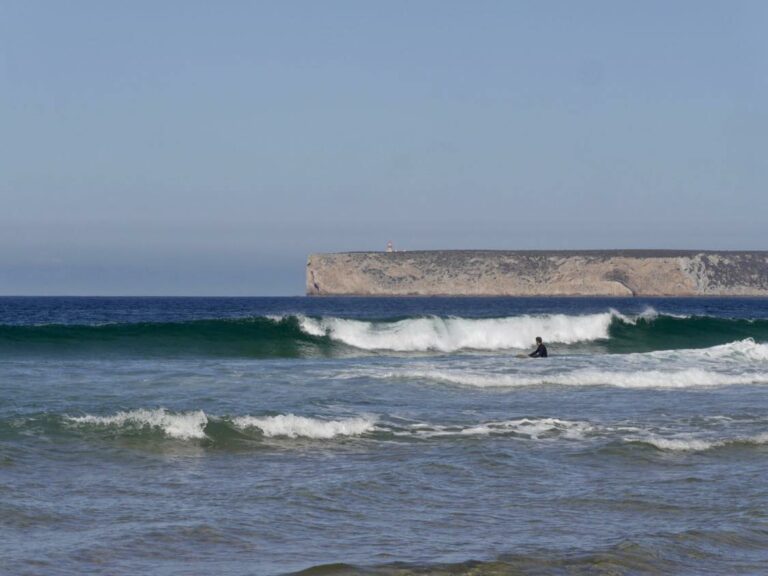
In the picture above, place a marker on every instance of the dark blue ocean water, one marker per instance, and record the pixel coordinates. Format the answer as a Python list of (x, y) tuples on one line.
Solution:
[(273, 435)]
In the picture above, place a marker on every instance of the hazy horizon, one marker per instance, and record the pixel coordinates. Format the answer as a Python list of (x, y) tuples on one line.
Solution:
[(186, 148)]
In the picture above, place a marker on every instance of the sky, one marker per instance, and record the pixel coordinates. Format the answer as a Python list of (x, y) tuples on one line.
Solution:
[(206, 148)]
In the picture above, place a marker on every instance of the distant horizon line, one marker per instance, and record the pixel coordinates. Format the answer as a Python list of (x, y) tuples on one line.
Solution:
[(394, 296), (146, 296)]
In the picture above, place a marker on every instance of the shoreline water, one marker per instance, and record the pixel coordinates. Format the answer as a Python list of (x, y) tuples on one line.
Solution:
[(272, 436)]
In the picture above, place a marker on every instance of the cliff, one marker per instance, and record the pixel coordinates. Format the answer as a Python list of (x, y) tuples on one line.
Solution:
[(539, 273)]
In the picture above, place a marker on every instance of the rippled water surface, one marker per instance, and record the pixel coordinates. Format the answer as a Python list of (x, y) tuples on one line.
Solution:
[(383, 436)]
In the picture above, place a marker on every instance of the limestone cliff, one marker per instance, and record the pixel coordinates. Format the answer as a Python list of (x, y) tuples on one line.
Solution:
[(539, 273)]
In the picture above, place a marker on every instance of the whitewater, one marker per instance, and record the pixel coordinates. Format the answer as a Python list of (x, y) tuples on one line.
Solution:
[(452, 334), (345, 436)]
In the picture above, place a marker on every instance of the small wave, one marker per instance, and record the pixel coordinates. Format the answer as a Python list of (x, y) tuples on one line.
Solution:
[(532, 428), (452, 334), (663, 552), (195, 426), (679, 444), (292, 426), (746, 349), (184, 425), (192, 425), (686, 378), (579, 430), (693, 444)]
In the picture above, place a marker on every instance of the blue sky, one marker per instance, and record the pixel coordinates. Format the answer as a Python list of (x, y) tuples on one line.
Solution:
[(207, 147)]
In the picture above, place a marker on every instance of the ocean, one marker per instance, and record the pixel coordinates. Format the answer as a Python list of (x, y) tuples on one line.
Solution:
[(338, 436)]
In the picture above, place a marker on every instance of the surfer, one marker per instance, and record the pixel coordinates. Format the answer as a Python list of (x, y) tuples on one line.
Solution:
[(541, 350)]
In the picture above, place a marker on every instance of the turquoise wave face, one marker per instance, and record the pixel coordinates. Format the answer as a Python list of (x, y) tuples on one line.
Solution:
[(671, 332), (255, 337), (295, 336)]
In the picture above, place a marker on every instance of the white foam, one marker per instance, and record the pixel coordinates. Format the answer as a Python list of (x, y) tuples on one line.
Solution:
[(552, 429), (451, 334), (184, 425), (757, 439), (692, 444), (743, 352), (746, 349), (534, 429), (679, 444), (686, 378), (293, 426)]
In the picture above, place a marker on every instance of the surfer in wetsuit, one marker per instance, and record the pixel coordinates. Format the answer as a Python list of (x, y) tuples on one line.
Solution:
[(541, 350)]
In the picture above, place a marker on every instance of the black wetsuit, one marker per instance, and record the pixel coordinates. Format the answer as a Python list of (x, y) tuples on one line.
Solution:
[(540, 352)]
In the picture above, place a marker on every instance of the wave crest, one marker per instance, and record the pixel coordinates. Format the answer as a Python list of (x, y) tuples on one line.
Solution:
[(746, 349), (683, 436), (693, 444), (452, 334), (531, 428), (685, 378), (184, 426), (292, 426)]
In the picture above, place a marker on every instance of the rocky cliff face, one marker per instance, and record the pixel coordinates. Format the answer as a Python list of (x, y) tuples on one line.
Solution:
[(539, 273)]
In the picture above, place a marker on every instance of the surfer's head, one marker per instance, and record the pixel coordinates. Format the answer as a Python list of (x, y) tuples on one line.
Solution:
[(538, 339)]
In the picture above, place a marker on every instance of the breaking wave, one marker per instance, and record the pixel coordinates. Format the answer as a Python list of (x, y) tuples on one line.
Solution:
[(452, 334), (292, 426), (195, 427), (741, 350), (198, 425), (691, 443), (297, 336), (184, 425)]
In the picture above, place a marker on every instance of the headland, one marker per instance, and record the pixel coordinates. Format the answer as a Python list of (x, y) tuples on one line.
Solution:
[(539, 273)]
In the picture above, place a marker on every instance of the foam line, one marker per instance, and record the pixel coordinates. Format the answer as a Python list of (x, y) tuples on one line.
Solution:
[(686, 378), (532, 428)]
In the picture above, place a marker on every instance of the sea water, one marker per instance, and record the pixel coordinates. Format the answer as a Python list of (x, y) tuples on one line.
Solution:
[(341, 435)]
